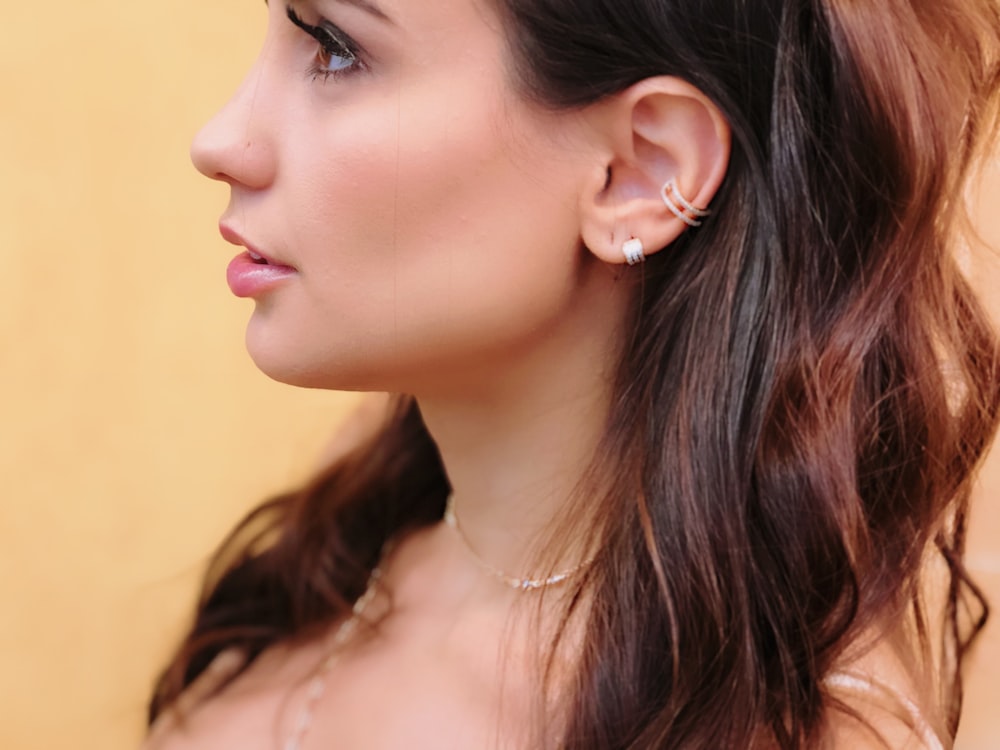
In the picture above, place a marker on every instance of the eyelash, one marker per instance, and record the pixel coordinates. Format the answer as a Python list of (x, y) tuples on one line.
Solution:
[(332, 43)]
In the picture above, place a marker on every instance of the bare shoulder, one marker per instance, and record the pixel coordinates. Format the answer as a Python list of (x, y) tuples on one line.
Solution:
[(883, 700), (166, 732)]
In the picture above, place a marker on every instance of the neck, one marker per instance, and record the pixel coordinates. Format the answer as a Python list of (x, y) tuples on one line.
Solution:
[(516, 450)]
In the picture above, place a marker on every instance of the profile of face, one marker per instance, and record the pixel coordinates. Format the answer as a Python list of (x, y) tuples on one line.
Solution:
[(419, 218)]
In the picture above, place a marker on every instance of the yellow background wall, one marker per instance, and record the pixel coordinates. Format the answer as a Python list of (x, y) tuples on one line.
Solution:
[(133, 428)]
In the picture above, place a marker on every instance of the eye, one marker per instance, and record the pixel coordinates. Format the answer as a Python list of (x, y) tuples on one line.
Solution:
[(337, 54), (333, 57)]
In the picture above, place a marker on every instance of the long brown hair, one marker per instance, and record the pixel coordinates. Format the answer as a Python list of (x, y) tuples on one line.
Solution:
[(797, 419)]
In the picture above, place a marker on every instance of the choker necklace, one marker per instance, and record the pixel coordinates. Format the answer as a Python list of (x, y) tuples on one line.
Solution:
[(514, 582)]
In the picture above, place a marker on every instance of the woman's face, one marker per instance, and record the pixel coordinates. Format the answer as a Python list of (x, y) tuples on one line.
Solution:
[(420, 218)]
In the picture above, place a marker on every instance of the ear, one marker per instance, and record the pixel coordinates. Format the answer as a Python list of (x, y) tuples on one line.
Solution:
[(659, 130)]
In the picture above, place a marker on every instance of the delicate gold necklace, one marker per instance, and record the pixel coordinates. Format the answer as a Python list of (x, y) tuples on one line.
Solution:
[(317, 685), (514, 582)]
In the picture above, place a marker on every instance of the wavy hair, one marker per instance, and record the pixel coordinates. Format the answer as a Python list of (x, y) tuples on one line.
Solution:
[(796, 421)]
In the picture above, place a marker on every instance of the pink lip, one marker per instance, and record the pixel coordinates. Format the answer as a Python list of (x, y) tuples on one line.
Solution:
[(252, 273), (249, 278)]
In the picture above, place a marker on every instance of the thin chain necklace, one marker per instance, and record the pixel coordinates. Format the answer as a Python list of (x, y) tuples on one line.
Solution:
[(514, 582), (317, 685)]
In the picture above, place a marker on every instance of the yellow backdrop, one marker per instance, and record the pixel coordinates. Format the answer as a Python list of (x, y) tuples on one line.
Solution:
[(134, 428)]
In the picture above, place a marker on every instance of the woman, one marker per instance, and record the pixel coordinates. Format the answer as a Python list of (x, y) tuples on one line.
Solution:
[(700, 388)]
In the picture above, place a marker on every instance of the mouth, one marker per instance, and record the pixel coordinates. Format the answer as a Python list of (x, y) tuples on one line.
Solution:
[(233, 237)]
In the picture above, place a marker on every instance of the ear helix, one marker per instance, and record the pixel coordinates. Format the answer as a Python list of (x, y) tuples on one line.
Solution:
[(680, 206)]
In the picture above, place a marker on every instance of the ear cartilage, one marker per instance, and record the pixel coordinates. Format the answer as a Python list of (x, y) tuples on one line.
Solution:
[(686, 211), (633, 251)]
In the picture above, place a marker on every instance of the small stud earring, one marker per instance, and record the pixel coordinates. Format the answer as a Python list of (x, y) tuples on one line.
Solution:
[(633, 251), (686, 212)]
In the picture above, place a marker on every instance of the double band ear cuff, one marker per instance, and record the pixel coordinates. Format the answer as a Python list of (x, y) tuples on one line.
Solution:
[(680, 206), (633, 251)]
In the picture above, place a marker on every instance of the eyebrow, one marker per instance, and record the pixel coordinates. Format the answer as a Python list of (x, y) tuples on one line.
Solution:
[(366, 5)]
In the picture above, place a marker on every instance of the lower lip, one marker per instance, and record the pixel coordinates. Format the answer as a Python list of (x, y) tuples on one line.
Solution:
[(249, 279)]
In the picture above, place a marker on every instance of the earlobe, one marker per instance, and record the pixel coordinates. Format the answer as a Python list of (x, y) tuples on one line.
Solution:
[(667, 149)]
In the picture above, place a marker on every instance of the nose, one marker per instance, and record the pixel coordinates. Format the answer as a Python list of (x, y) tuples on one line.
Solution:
[(236, 146)]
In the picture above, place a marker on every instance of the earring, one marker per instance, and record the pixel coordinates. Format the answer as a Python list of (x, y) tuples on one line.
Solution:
[(633, 251), (686, 212)]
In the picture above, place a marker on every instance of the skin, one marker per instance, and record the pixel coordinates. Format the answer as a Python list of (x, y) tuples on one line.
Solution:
[(429, 213), (453, 241)]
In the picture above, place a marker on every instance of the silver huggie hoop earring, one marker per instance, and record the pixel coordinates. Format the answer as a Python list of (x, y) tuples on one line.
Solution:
[(634, 251), (686, 212)]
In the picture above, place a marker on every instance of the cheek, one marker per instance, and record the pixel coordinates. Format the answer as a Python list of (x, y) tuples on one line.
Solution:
[(435, 238)]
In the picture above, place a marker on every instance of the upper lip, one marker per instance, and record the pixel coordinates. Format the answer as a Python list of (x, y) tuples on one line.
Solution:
[(234, 237)]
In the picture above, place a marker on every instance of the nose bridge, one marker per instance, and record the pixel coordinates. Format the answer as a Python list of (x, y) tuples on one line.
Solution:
[(236, 145)]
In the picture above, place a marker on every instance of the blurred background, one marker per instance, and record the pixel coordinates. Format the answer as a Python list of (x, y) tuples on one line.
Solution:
[(134, 430)]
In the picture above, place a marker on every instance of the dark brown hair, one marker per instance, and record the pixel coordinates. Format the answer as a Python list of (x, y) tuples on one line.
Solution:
[(797, 419)]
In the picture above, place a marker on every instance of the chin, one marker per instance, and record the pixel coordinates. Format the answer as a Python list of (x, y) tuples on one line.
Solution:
[(302, 376), (277, 356), (299, 371), (286, 363)]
